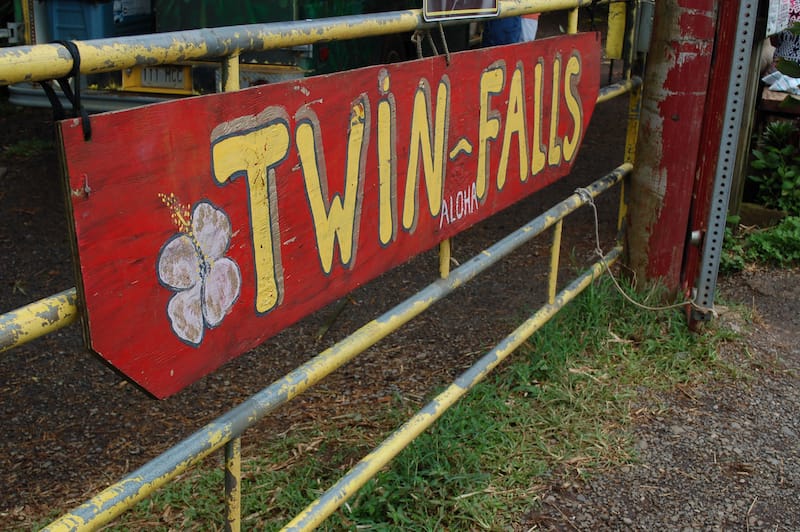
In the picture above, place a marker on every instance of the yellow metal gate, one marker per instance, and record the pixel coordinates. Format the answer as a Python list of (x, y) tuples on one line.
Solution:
[(51, 61)]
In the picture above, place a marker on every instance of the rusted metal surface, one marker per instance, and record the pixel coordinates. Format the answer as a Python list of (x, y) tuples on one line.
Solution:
[(233, 485), (618, 89)]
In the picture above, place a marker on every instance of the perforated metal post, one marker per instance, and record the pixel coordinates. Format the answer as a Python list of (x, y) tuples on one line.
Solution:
[(726, 160)]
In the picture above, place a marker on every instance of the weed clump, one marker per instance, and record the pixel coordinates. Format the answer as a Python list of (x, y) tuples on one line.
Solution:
[(776, 246)]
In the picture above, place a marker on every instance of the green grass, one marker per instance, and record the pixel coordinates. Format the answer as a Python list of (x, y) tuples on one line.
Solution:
[(561, 408), (27, 148)]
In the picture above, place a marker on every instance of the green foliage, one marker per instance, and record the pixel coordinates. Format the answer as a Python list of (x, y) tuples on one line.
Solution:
[(794, 28), (778, 246), (776, 162), (27, 148), (732, 258), (790, 68)]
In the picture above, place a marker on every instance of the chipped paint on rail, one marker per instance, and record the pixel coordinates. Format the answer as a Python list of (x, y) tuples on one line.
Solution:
[(37, 319)]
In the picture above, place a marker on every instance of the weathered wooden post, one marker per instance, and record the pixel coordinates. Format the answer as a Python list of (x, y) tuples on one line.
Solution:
[(695, 91), (673, 104)]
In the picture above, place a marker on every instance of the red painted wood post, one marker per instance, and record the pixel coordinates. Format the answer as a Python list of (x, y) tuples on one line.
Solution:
[(673, 106)]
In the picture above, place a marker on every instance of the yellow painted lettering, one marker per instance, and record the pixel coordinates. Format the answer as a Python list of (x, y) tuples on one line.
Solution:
[(572, 75), (538, 153), (334, 219), (492, 81), (387, 163), (252, 147), (516, 124), (554, 150), (430, 145)]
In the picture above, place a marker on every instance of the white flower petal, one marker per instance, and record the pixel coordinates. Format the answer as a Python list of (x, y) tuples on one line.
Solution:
[(220, 290), (178, 265), (186, 315), (212, 230)]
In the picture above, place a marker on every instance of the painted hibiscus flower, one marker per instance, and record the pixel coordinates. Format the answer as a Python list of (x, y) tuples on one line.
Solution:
[(192, 264)]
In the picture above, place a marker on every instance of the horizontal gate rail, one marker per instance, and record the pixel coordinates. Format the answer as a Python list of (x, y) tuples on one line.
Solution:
[(37, 319), (116, 499), (614, 90), (51, 61)]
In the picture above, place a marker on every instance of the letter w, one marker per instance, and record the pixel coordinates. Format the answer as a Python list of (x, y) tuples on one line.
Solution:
[(336, 219)]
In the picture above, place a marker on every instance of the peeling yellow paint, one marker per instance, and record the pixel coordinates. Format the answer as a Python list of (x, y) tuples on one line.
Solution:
[(37, 319)]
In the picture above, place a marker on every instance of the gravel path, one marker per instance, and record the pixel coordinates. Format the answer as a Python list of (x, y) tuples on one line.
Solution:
[(721, 456)]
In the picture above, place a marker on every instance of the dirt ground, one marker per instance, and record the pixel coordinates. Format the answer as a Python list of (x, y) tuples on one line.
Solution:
[(73, 425)]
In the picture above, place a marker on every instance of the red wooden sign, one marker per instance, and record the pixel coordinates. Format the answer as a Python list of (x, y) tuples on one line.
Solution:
[(204, 226)]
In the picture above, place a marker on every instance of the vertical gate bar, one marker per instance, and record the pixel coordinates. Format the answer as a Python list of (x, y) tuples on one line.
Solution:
[(555, 255), (230, 73), (444, 258), (572, 21), (29, 22), (615, 36), (233, 449), (726, 159), (634, 108), (233, 485), (632, 135), (630, 38)]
